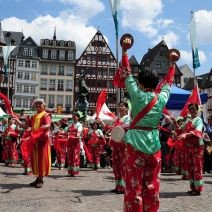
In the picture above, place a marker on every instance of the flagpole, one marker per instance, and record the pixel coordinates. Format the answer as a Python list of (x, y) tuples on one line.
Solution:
[(118, 95)]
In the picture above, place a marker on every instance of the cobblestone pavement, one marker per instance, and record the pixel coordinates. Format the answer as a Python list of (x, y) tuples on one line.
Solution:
[(90, 192)]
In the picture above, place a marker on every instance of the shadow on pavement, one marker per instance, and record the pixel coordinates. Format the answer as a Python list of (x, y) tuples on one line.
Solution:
[(11, 187), (172, 194), (170, 179), (91, 192), (10, 174), (208, 182)]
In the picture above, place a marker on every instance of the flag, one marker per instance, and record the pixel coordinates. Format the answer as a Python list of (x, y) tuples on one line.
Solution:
[(195, 55), (114, 4), (194, 98), (100, 101), (6, 50)]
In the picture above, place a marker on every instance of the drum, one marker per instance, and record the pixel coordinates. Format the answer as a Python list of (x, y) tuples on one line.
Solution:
[(118, 133)]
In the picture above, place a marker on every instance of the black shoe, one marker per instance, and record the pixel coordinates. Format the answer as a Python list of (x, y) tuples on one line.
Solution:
[(190, 192), (195, 193), (114, 191), (35, 182), (39, 184), (120, 192)]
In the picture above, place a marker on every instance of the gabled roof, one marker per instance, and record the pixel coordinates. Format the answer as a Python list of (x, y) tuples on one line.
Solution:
[(133, 61), (87, 49), (149, 56), (29, 40)]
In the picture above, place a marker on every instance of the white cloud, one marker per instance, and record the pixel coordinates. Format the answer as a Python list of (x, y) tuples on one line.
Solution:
[(141, 15), (164, 23), (170, 38), (70, 24), (84, 9), (203, 19), (68, 27), (186, 57)]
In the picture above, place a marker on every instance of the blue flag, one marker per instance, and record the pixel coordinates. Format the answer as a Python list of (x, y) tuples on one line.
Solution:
[(114, 4), (195, 54)]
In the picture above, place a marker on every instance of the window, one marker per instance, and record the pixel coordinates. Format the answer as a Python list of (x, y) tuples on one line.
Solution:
[(69, 71), (54, 42), (69, 85), (51, 103), (20, 63), (18, 102), (62, 55), (52, 84), (53, 54), (53, 70), (26, 88), (68, 101), (60, 85), (162, 53), (157, 65), (33, 76), (60, 100), (44, 69), (25, 52), (25, 102), (32, 89), (61, 70), (34, 64), (27, 76), (27, 64), (62, 43), (46, 42), (19, 88), (20, 75), (45, 53), (43, 84), (70, 55), (31, 52), (69, 43)]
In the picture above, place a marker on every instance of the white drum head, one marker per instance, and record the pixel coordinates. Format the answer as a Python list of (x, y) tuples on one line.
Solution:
[(117, 134)]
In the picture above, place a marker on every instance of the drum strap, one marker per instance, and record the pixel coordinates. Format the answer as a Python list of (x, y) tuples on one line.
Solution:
[(143, 112)]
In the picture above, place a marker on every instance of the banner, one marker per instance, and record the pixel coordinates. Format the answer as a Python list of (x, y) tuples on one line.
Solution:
[(114, 4), (195, 54)]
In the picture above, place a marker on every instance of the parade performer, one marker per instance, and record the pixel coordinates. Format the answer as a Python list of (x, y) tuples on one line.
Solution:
[(26, 163), (178, 146), (119, 149), (39, 144), (73, 146), (194, 148), (60, 143), (143, 159), (10, 152), (96, 143)]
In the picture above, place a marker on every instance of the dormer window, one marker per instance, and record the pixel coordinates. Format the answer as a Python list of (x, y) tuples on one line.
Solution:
[(31, 52), (61, 43), (54, 42), (69, 43), (25, 51), (46, 42)]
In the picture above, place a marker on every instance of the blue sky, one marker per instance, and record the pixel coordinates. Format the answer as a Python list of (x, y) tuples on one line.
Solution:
[(147, 20)]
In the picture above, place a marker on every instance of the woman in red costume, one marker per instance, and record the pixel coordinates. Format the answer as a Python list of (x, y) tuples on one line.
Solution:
[(10, 155), (119, 149), (39, 144), (73, 147), (194, 146), (96, 143)]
